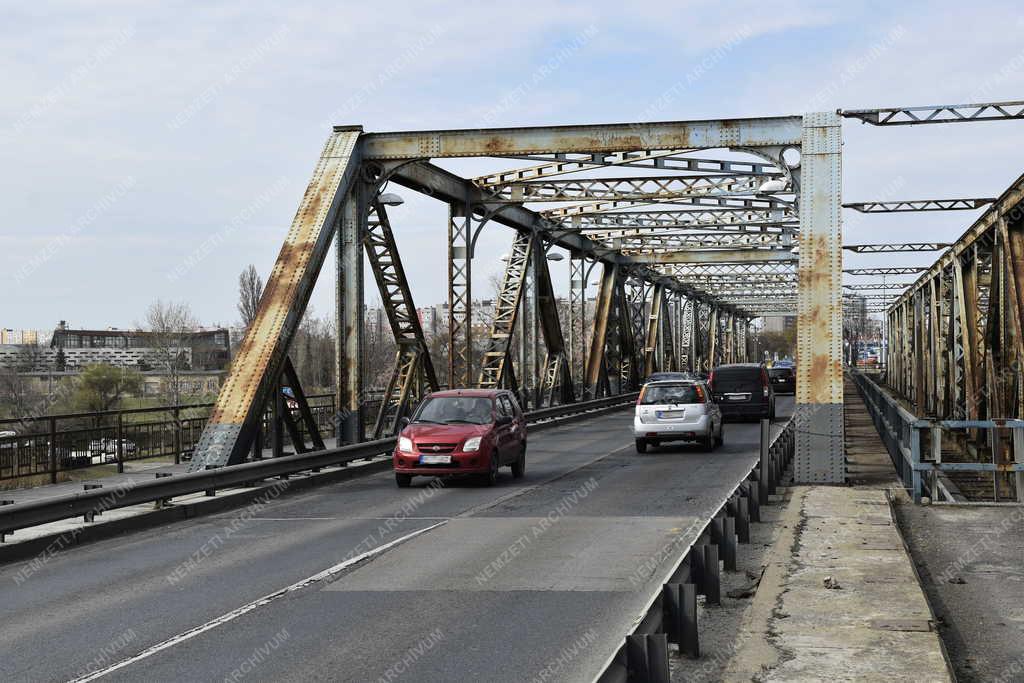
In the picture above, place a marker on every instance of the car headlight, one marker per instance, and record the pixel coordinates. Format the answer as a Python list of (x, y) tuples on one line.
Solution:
[(471, 444), (405, 444)]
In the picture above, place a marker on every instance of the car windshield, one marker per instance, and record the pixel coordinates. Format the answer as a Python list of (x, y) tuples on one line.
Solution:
[(780, 372), (455, 410), (671, 393)]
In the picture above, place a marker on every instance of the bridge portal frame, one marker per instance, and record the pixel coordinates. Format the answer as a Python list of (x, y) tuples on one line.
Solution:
[(355, 165)]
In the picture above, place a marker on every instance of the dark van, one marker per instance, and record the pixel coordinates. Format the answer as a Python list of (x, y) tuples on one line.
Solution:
[(742, 390)]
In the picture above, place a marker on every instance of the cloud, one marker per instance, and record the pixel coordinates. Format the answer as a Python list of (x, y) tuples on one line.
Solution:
[(409, 65)]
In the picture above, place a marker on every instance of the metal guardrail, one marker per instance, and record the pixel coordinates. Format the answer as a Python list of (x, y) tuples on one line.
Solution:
[(671, 613), (92, 502), (73, 441), (908, 438)]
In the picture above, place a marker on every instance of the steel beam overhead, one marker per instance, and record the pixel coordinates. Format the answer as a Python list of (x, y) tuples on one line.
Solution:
[(890, 248), (637, 188), (671, 160), (940, 113), (716, 256), (905, 205), (676, 218), (725, 201), (896, 270), (877, 285), (616, 137)]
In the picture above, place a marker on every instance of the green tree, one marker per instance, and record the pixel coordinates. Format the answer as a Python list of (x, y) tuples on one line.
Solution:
[(101, 387)]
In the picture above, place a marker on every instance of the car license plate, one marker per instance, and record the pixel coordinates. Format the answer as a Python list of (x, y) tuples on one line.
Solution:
[(671, 413), (737, 397), (435, 459)]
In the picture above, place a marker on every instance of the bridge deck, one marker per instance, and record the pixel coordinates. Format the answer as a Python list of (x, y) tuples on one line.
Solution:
[(504, 580)]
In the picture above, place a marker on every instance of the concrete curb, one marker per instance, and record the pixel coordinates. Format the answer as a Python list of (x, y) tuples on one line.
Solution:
[(920, 583)]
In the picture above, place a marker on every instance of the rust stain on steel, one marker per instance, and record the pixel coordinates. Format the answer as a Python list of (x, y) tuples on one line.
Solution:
[(815, 386), (260, 347)]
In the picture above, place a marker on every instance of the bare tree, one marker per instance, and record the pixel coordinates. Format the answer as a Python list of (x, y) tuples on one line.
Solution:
[(250, 289), (170, 324), (19, 392)]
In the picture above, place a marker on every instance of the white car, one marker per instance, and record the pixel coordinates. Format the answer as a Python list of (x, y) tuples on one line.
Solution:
[(677, 411)]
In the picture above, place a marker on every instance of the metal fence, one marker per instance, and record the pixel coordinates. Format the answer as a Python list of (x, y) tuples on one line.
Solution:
[(915, 444), (75, 440)]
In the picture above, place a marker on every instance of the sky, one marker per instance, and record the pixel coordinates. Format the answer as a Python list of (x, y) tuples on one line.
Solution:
[(155, 150)]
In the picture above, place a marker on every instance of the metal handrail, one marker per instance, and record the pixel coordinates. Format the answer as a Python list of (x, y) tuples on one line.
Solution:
[(903, 434)]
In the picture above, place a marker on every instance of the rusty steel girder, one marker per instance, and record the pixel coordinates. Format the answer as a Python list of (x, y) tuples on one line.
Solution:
[(940, 113), (257, 365), (956, 348), (413, 365), (670, 160)]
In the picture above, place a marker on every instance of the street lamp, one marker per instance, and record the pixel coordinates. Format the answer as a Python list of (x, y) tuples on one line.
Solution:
[(390, 199)]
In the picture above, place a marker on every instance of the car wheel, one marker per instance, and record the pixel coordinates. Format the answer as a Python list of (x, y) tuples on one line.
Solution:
[(708, 443), (721, 434), (403, 480), (492, 473), (519, 466), (641, 446)]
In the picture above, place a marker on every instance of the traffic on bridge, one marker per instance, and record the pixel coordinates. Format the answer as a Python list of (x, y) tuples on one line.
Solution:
[(684, 413)]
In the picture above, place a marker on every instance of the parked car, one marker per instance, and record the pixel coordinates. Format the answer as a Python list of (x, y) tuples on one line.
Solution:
[(108, 448), (677, 411), (783, 380), (742, 390), (462, 431)]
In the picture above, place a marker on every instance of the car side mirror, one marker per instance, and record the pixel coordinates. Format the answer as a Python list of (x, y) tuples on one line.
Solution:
[(404, 422)]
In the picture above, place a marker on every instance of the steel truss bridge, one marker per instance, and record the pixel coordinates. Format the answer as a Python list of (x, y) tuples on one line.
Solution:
[(692, 229)]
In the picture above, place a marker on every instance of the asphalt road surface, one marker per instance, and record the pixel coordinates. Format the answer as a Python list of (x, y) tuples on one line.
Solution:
[(534, 579)]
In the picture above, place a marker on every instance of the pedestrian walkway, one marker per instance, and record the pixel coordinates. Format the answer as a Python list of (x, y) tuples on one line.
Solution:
[(839, 598)]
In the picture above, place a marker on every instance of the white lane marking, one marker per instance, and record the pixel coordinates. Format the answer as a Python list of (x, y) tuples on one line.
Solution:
[(245, 609)]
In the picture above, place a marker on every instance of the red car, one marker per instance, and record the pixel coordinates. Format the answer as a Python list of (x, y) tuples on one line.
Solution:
[(462, 431)]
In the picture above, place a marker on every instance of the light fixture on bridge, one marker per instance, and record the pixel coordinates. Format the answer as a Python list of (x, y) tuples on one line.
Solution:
[(773, 185), (555, 256), (390, 199)]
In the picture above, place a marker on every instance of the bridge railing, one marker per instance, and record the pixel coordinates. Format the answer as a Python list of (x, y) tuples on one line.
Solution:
[(671, 612), (915, 444), (53, 444)]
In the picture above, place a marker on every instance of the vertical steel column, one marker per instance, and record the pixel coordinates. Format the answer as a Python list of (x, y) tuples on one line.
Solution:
[(668, 359), (651, 361), (596, 376), (577, 319), (819, 410), (687, 325), (712, 340), (460, 295), (536, 366), (349, 300)]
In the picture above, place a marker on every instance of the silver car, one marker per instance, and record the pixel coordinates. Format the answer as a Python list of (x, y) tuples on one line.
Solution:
[(677, 411)]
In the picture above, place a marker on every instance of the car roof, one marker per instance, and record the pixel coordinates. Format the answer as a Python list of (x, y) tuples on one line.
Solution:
[(681, 380), (740, 365), (478, 393)]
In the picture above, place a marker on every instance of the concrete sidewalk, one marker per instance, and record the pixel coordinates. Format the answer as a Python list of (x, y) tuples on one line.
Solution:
[(839, 599)]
